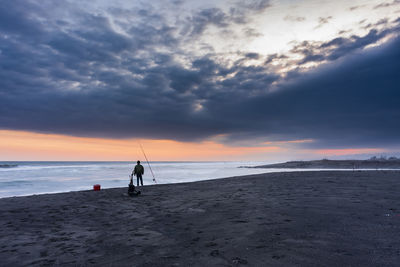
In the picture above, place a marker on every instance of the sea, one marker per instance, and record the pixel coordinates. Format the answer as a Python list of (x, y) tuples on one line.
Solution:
[(29, 178)]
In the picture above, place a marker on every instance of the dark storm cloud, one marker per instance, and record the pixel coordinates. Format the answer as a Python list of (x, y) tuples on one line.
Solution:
[(84, 77), (354, 102), (26, 24), (95, 81)]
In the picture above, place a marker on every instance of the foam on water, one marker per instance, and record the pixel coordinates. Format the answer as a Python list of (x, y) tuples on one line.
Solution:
[(27, 178)]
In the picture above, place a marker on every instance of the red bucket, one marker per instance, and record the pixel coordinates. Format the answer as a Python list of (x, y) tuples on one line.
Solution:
[(96, 187)]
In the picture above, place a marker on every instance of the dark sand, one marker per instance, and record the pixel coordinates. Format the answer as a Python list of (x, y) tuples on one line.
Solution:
[(328, 218)]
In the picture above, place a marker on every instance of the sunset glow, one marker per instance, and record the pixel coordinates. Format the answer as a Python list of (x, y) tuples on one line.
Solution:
[(20, 145), (34, 146)]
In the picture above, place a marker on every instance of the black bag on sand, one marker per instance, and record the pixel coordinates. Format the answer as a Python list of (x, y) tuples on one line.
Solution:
[(132, 191)]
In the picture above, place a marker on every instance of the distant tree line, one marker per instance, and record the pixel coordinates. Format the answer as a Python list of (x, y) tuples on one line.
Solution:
[(383, 158)]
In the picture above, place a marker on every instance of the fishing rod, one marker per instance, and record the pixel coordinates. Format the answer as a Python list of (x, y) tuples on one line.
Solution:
[(148, 163)]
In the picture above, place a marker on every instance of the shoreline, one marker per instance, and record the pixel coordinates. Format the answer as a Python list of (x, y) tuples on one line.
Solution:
[(278, 170), (312, 218)]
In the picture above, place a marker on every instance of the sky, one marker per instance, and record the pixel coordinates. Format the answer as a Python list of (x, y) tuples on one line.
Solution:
[(261, 80)]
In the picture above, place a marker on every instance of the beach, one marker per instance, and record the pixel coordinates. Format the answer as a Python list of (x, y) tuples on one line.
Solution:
[(320, 218)]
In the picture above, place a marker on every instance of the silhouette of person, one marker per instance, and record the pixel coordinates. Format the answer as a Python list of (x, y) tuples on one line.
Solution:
[(138, 171)]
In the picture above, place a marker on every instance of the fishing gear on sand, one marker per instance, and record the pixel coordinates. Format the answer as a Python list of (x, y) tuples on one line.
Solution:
[(144, 154), (131, 188)]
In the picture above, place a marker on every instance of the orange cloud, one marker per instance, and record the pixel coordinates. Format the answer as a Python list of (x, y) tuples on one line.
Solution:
[(300, 141), (20, 145)]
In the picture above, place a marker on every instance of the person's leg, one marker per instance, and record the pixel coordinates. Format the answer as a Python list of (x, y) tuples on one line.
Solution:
[(137, 179), (141, 180)]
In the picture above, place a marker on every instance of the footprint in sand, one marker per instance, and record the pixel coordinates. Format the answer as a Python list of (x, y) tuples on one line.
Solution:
[(214, 253), (238, 260), (171, 257), (91, 250), (211, 244), (28, 244), (139, 234), (277, 257), (60, 245), (240, 221), (43, 253)]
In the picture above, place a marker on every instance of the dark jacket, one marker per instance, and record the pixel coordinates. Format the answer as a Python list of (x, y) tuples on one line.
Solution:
[(138, 170)]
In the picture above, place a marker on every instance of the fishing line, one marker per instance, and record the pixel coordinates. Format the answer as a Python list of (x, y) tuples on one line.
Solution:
[(148, 163)]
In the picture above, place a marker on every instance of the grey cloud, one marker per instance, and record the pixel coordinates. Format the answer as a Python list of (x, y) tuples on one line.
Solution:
[(356, 7), (97, 81), (243, 11), (294, 18), (339, 47), (26, 24), (250, 32), (322, 21), (383, 21), (273, 57), (355, 42), (383, 5), (199, 21), (255, 5), (240, 13), (252, 55), (341, 32)]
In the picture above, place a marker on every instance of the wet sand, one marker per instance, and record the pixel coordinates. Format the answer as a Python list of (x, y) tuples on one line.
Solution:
[(327, 218)]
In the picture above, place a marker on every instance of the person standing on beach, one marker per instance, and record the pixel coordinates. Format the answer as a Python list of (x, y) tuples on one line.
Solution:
[(138, 171)]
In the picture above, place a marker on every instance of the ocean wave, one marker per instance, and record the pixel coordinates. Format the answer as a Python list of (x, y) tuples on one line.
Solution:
[(15, 183), (8, 165)]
